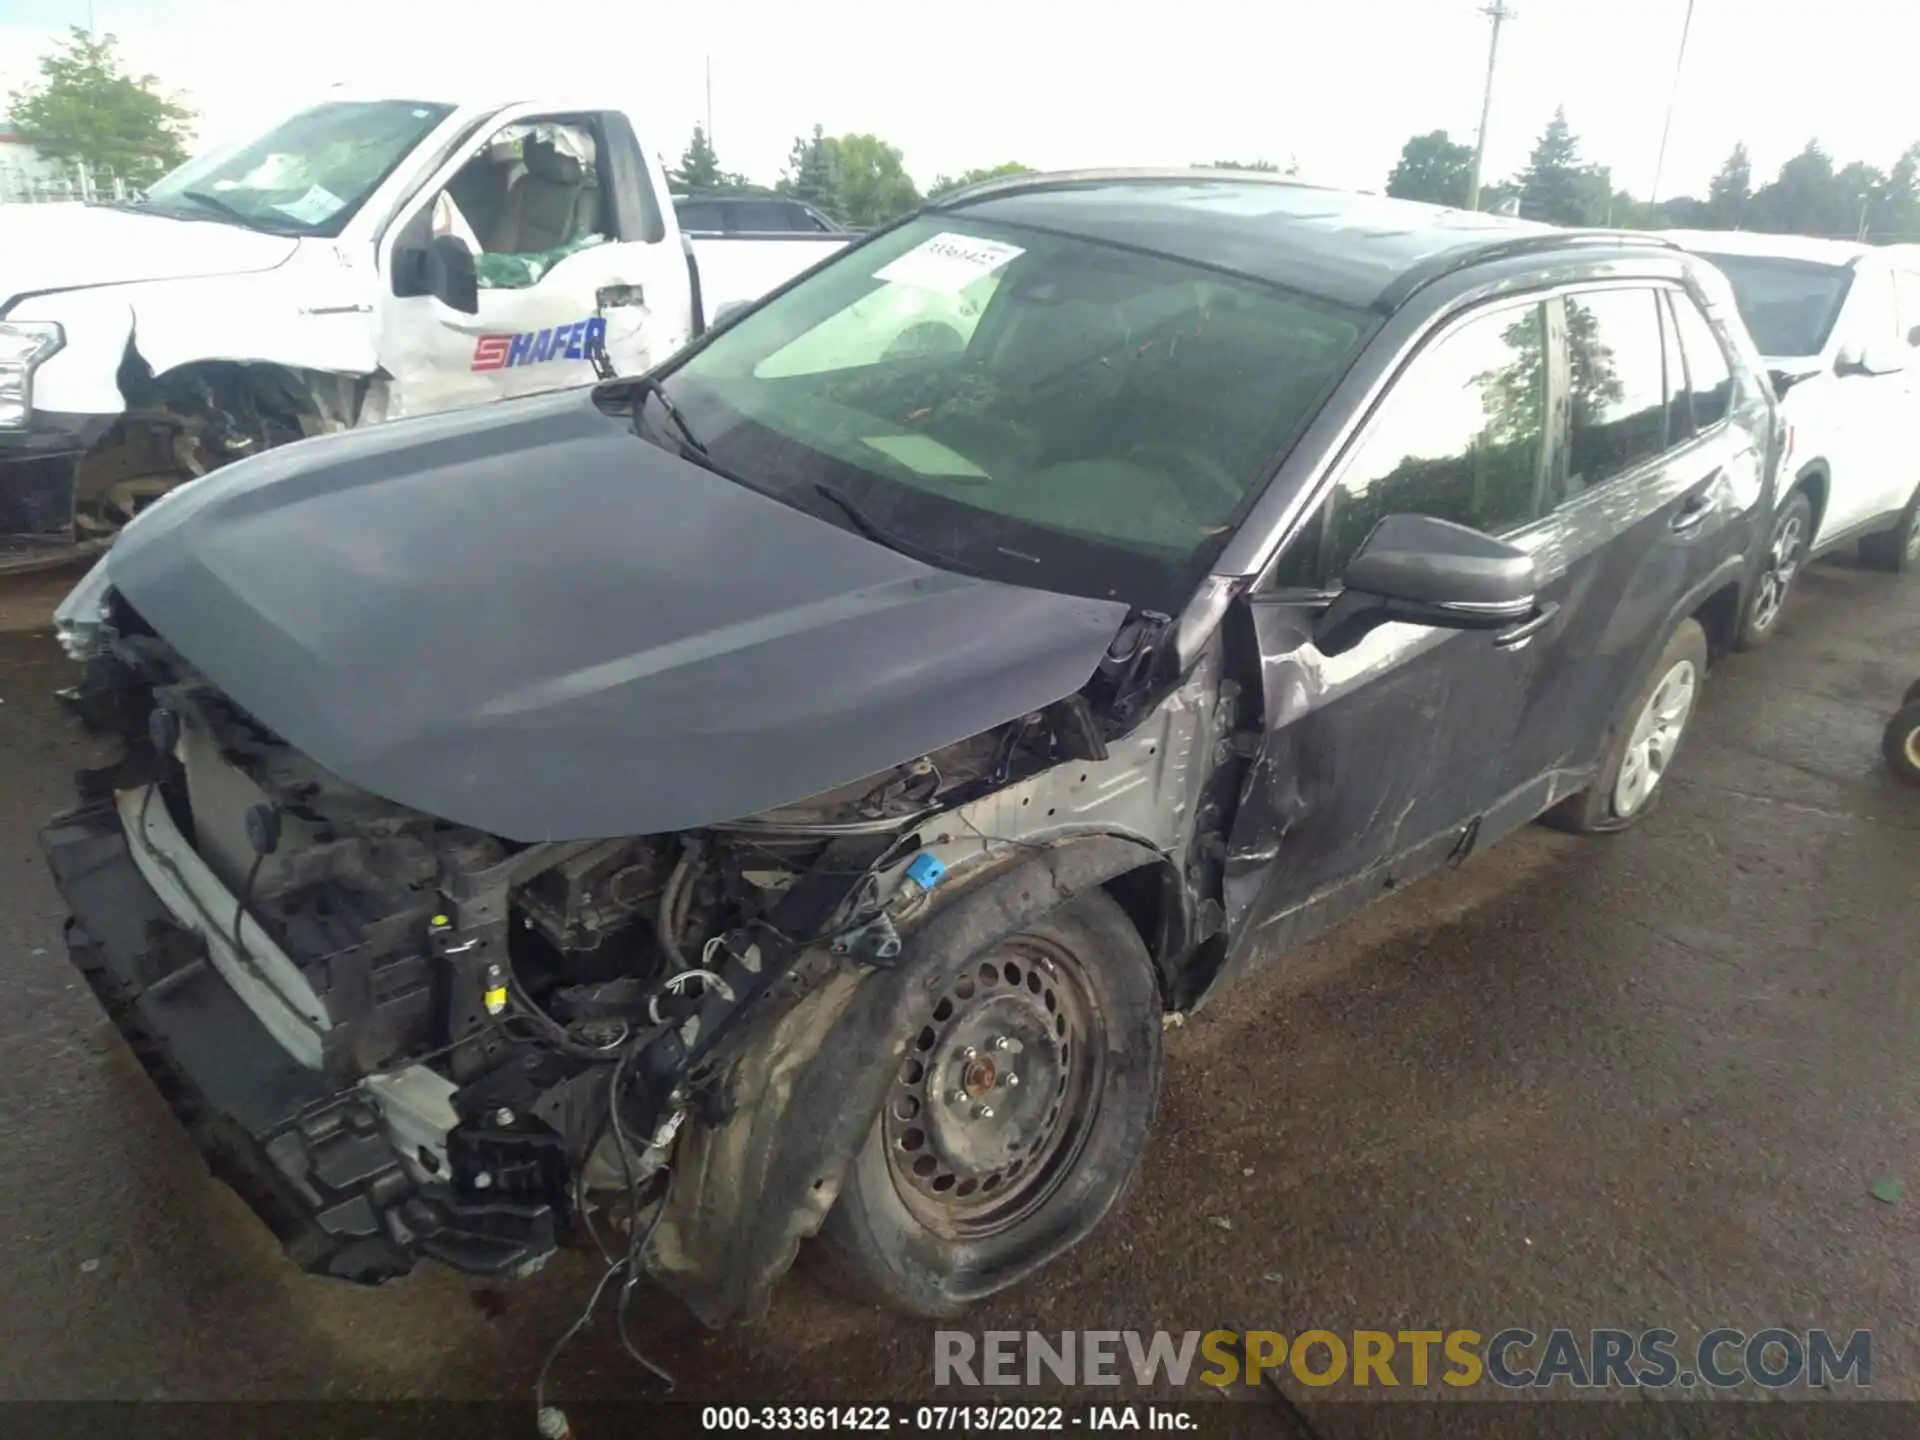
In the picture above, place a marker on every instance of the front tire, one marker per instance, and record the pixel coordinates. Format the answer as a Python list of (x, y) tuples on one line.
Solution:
[(1016, 1121), (1900, 743), (1786, 554), (1641, 746)]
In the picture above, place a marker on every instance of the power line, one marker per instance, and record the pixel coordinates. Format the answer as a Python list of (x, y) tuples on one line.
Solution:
[(1673, 99), (1498, 13)]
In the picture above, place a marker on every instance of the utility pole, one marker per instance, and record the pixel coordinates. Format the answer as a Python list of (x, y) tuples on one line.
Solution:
[(1498, 13), (709, 100), (1673, 98)]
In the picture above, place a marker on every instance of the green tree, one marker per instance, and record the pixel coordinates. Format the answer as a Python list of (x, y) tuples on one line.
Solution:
[(1806, 198), (810, 172), (871, 184), (1434, 168), (699, 168), (86, 107), (1896, 209), (1557, 186), (1730, 193), (947, 184)]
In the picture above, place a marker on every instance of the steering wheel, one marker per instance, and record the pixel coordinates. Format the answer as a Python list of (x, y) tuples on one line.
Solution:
[(1204, 468)]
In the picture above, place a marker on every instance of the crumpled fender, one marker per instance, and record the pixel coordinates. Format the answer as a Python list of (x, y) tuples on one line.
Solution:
[(744, 1193)]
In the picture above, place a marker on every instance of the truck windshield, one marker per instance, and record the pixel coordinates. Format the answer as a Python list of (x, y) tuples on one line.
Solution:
[(1043, 410), (307, 175), (1789, 305)]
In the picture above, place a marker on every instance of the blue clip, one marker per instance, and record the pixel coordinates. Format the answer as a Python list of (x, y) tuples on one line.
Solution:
[(926, 870)]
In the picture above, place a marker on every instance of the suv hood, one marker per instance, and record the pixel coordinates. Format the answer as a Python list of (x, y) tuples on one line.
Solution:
[(69, 247), (528, 620)]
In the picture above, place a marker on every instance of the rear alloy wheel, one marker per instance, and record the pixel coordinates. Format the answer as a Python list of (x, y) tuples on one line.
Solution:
[(1901, 743), (1895, 551), (1017, 1117), (1786, 553), (1641, 746)]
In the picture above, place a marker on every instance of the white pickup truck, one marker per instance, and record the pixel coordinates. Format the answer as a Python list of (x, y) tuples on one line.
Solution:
[(366, 259)]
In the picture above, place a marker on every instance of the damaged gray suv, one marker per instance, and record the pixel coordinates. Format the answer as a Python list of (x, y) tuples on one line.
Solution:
[(777, 801)]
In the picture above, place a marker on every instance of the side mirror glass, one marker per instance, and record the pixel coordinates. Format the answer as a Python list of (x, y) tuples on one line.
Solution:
[(1418, 570), (445, 269)]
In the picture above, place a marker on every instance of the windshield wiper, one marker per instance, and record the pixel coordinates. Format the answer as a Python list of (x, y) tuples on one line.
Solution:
[(646, 385), (234, 213), (880, 535)]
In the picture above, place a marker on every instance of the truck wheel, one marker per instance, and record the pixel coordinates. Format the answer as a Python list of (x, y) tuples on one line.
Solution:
[(1015, 1123), (1901, 743), (1642, 743), (1786, 553), (1895, 551)]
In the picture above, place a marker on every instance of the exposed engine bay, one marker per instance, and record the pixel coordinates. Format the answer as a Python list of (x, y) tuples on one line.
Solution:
[(510, 1036)]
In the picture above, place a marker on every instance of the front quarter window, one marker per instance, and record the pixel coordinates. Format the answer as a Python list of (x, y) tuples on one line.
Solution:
[(1053, 411), (308, 175)]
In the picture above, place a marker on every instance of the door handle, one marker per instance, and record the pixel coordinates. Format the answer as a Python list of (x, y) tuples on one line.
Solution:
[(613, 297), (1519, 634), (1691, 514)]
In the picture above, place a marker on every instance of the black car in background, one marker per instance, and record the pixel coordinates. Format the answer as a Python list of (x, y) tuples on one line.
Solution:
[(751, 215), (778, 799)]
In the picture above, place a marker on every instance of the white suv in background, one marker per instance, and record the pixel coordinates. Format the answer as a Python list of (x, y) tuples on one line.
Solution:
[(1837, 323)]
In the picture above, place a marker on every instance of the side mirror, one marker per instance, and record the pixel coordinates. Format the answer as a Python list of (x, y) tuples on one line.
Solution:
[(1417, 570), (1878, 357), (444, 269)]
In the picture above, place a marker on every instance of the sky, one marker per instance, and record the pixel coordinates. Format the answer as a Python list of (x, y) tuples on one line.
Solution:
[(1054, 84)]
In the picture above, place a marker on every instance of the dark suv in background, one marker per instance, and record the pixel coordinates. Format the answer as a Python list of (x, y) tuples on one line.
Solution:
[(793, 818), (750, 215)]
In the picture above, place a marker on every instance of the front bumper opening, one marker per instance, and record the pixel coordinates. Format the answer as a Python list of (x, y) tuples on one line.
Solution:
[(346, 1179)]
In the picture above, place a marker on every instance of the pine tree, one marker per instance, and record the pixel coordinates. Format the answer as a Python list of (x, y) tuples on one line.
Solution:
[(811, 172), (1731, 194), (699, 168), (1556, 187)]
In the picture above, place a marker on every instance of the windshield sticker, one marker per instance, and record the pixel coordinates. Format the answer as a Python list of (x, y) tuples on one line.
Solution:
[(535, 347), (318, 204), (948, 263), (923, 455)]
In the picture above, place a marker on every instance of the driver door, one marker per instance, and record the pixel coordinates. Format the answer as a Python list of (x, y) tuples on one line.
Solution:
[(1375, 761), (567, 257)]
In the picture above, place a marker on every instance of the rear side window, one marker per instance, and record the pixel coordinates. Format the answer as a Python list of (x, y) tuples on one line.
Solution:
[(761, 216), (1460, 436), (698, 215), (1617, 377), (1709, 381)]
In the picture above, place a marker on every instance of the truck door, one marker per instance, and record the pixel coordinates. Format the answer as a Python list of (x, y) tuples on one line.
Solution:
[(571, 247)]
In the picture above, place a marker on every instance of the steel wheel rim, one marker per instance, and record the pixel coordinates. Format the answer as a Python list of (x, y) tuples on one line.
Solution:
[(1912, 747), (1654, 738), (1020, 1037), (1783, 563)]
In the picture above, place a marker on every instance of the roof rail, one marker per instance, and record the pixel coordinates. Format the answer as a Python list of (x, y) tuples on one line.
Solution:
[(1061, 179), (1509, 247)]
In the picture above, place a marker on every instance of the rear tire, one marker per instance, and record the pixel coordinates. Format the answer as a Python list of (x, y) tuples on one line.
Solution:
[(1900, 744), (1895, 551), (1032, 1088), (1641, 745), (1786, 556)]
